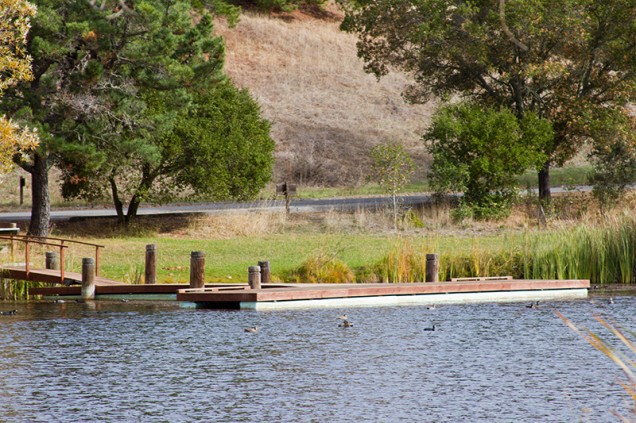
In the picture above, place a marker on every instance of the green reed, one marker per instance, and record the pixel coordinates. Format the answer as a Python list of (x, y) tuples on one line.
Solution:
[(602, 253)]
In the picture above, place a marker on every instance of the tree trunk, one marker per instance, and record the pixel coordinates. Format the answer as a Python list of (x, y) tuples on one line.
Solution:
[(40, 199), (119, 206), (544, 183), (133, 208)]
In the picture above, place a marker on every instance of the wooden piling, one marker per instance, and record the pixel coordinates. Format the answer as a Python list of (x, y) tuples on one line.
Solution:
[(432, 268), (265, 273), (197, 269), (88, 279), (254, 277), (52, 260), (150, 277)]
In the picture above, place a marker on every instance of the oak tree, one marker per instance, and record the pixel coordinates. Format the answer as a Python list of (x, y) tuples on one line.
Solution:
[(561, 59)]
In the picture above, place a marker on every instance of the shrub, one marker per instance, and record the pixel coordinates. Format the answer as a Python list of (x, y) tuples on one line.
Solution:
[(479, 151)]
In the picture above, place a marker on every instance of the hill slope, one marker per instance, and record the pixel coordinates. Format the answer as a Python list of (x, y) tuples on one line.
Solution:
[(326, 111)]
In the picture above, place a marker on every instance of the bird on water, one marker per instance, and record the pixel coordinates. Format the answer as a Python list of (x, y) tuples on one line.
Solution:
[(345, 321), (251, 329), (432, 328), (533, 305), (8, 313)]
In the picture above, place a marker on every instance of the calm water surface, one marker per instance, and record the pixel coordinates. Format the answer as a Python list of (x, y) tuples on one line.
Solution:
[(138, 362)]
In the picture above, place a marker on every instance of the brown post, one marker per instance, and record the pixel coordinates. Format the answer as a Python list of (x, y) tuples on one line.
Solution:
[(27, 256), (88, 278), (265, 274), (61, 264), (52, 260), (254, 277), (151, 264), (287, 198), (432, 268), (97, 261), (197, 269)]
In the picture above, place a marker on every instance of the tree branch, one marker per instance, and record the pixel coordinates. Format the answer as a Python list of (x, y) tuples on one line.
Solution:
[(506, 30)]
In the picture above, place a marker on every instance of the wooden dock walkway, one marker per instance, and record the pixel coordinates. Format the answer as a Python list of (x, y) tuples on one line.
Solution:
[(52, 276)]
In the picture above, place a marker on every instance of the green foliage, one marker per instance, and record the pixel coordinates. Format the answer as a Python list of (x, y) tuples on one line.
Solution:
[(613, 156), (113, 82), (603, 253), (479, 151), (283, 5), (392, 168), (99, 73), (226, 151), (558, 58)]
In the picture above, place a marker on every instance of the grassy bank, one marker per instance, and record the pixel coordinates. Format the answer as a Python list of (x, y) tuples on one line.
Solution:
[(364, 247)]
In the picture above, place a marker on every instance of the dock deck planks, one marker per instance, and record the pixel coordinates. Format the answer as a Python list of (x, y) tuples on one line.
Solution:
[(298, 292), (52, 276)]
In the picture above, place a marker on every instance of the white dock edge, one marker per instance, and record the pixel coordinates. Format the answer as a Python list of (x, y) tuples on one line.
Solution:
[(398, 300)]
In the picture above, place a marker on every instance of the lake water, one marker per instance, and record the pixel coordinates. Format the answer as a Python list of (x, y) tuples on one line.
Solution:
[(147, 362)]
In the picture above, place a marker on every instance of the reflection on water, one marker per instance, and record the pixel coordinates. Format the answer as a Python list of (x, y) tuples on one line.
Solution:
[(156, 362)]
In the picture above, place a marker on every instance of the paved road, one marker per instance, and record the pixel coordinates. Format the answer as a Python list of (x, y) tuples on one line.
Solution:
[(211, 208), (306, 205)]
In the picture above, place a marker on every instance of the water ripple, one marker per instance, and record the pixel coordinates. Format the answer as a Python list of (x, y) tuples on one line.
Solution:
[(156, 362)]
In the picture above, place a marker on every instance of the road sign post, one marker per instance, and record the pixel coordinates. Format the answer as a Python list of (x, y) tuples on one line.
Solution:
[(287, 190)]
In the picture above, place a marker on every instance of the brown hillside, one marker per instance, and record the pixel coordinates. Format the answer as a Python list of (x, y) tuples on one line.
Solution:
[(325, 110)]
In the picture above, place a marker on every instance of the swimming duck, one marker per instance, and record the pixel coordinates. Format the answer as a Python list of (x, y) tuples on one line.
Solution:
[(533, 305), (252, 329), (343, 317), (611, 300), (8, 313), (345, 324), (431, 307), (432, 328)]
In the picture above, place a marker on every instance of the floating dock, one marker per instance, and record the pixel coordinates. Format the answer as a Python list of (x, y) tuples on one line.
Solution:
[(285, 296), (348, 295)]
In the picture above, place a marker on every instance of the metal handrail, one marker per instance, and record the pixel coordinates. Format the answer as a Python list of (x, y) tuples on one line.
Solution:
[(27, 239)]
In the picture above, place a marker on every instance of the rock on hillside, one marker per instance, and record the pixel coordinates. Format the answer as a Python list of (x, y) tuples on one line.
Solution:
[(326, 112)]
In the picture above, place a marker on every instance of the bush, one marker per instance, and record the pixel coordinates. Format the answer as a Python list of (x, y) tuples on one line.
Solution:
[(479, 151)]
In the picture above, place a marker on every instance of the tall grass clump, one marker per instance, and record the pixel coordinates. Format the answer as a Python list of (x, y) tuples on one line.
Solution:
[(14, 290), (321, 268), (405, 262), (603, 253)]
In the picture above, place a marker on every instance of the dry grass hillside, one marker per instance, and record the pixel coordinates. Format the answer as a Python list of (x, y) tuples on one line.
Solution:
[(325, 110)]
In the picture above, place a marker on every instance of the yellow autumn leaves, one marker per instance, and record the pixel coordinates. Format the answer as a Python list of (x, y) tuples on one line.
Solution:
[(15, 66)]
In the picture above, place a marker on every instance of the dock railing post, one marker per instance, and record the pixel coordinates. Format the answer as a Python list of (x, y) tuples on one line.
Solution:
[(254, 277), (88, 278), (52, 260), (197, 269), (432, 268), (265, 273), (151, 265)]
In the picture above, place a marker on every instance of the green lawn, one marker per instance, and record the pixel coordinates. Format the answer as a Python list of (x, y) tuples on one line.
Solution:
[(228, 260)]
